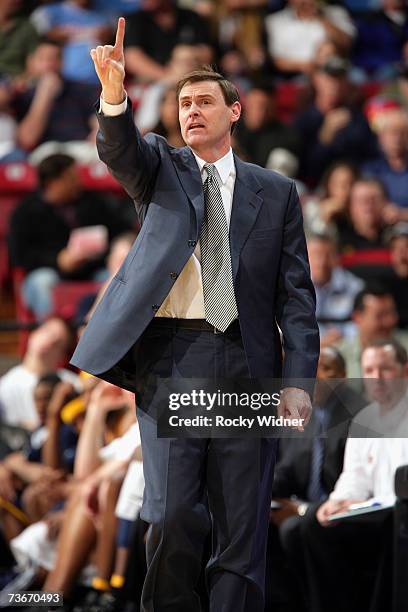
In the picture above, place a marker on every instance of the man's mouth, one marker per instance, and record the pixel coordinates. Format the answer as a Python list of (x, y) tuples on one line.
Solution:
[(195, 126)]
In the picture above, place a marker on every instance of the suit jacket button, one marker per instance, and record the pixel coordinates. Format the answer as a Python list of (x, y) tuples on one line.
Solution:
[(155, 307), (173, 275), (192, 243)]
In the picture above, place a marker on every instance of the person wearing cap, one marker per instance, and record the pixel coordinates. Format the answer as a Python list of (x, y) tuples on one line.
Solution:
[(332, 127), (391, 167)]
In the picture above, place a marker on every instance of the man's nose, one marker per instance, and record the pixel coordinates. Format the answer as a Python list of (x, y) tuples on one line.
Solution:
[(193, 109)]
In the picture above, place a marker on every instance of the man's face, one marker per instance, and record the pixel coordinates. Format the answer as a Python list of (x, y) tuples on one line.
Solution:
[(394, 136), (386, 378), (328, 369), (399, 255), (68, 185), (258, 109), (366, 204), (378, 318), (322, 258), (46, 58), (328, 366), (51, 339), (205, 119), (304, 7), (332, 89)]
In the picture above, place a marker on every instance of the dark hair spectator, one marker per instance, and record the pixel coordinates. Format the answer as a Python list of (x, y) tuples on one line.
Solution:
[(330, 201), (42, 232), (333, 127), (48, 106), (259, 131), (152, 34), (375, 317)]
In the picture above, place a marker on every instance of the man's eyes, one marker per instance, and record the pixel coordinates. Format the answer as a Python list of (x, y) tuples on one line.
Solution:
[(186, 104)]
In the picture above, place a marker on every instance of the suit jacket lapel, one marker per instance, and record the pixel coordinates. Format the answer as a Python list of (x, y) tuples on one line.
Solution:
[(245, 208), (190, 179), (245, 204)]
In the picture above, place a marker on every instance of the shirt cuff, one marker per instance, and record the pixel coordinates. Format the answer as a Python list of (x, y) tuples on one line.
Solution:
[(112, 110)]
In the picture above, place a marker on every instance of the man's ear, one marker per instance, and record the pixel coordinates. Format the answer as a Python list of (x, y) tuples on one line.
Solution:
[(235, 111)]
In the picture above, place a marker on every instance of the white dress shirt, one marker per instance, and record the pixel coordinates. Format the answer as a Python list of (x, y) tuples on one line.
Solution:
[(186, 300), (370, 463)]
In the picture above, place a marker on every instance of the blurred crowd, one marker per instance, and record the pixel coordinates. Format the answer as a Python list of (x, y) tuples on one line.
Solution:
[(324, 89)]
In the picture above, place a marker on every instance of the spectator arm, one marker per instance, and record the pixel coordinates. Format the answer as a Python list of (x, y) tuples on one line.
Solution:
[(27, 471), (90, 442), (337, 35), (33, 125), (50, 451)]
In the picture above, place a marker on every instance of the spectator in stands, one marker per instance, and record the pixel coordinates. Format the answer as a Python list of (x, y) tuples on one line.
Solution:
[(23, 467), (47, 349), (332, 127), (335, 556), (376, 318), (184, 58), (398, 279), (361, 233), (168, 125), (41, 226), (119, 249), (307, 470), (385, 372), (240, 34), (331, 201), (336, 288), (382, 37), (152, 34), (397, 89), (48, 106), (79, 29), (391, 168), (18, 38), (295, 33), (259, 131), (38, 483), (9, 150), (100, 468)]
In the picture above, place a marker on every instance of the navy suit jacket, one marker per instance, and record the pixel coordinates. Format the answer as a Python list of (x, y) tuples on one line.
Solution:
[(268, 250)]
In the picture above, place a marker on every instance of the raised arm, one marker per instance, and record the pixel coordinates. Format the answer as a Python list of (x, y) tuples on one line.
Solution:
[(132, 160)]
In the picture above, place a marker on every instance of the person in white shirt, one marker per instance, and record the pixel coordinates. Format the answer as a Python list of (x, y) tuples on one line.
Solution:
[(295, 33), (347, 547), (47, 347)]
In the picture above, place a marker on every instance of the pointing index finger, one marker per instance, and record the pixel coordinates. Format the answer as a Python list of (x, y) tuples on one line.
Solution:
[(120, 34)]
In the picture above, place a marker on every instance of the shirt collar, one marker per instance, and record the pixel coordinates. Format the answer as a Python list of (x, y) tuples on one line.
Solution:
[(225, 165)]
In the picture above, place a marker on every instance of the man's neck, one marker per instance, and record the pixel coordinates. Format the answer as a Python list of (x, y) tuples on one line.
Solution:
[(214, 153), (386, 407)]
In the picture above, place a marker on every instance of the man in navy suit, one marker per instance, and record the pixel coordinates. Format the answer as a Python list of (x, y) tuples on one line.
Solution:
[(220, 262)]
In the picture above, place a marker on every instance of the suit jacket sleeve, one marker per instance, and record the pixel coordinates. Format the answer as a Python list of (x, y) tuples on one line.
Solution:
[(296, 302), (131, 159)]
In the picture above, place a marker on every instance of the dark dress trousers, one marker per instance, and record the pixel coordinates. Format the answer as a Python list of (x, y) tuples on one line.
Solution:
[(197, 485)]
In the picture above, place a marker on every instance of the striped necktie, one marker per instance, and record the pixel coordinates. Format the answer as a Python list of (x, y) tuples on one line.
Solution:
[(218, 289)]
